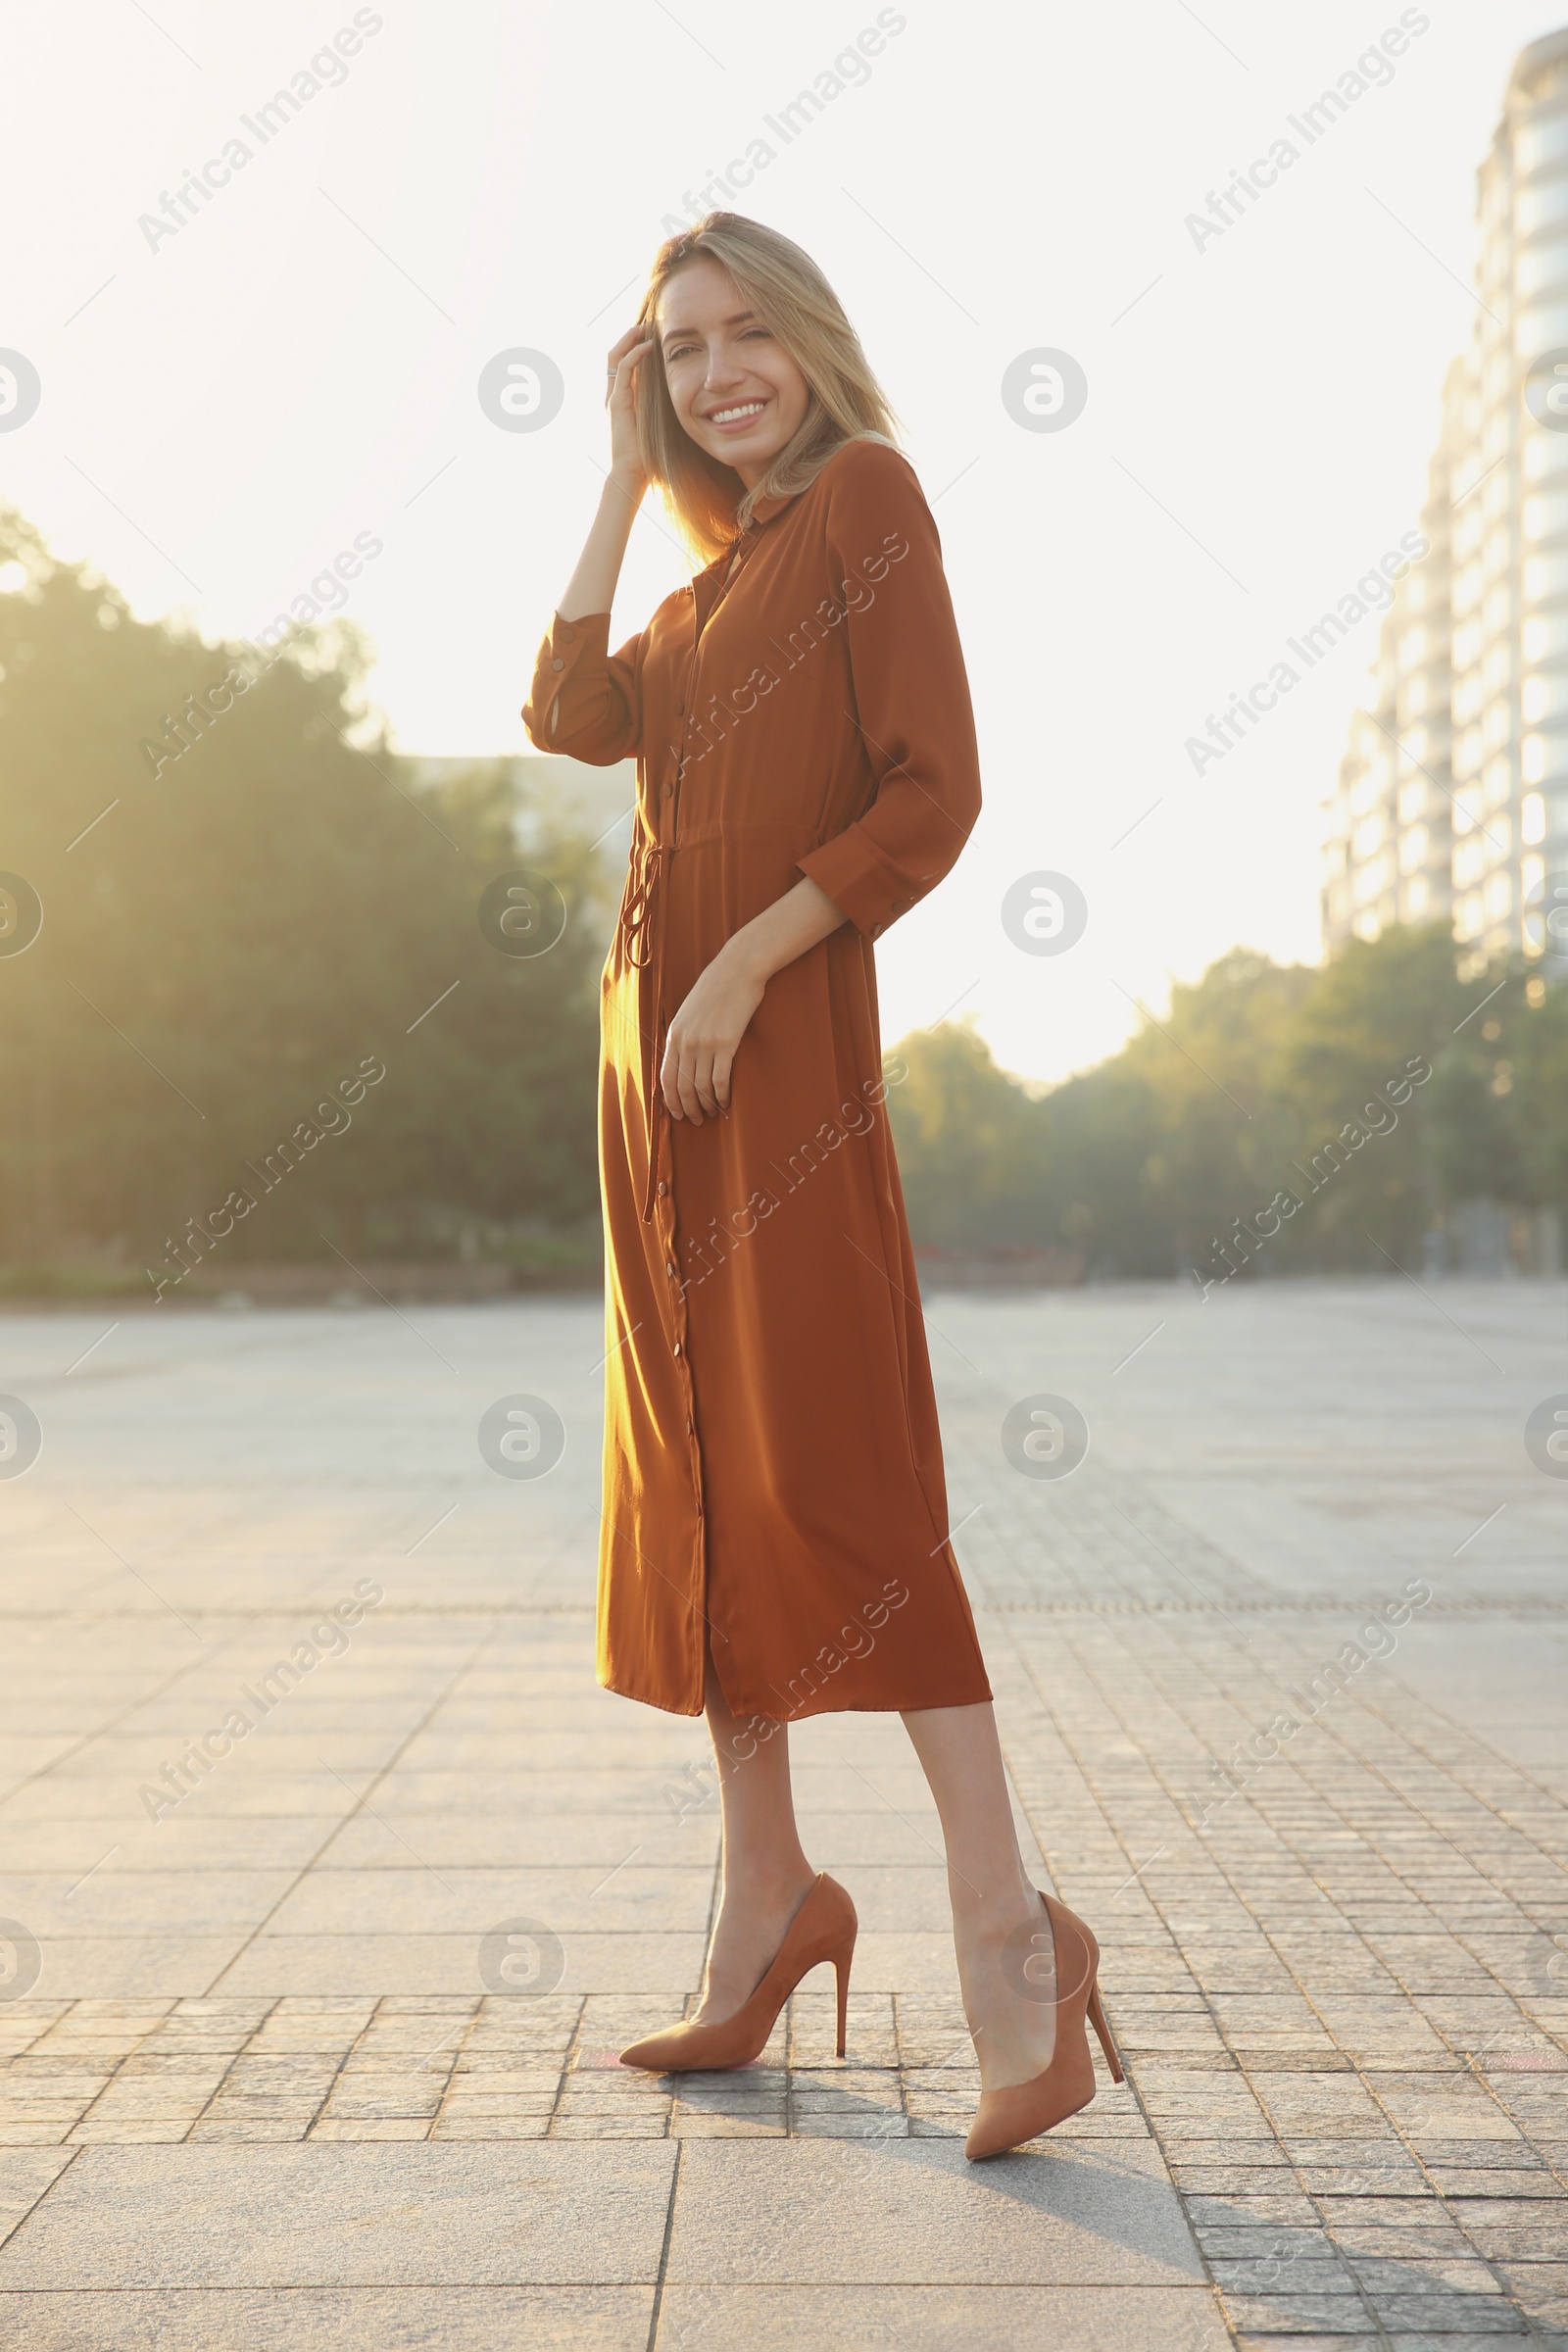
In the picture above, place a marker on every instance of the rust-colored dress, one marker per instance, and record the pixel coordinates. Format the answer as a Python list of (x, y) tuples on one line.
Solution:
[(773, 1479)]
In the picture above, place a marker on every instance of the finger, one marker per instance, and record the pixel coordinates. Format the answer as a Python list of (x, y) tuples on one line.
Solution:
[(667, 1081), (702, 1081), (724, 1063), (686, 1082)]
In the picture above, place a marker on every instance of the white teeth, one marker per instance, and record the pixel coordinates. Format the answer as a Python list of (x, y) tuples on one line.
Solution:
[(752, 408)]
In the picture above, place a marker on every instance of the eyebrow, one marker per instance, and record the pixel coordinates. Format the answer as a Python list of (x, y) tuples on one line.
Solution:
[(740, 318)]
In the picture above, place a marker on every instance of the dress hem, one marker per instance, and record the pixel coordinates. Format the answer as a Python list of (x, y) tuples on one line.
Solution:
[(826, 1704)]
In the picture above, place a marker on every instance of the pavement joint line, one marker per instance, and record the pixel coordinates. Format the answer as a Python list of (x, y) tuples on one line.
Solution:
[(1245, 1639), (1403, 2136), (361, 1805), (1358, 1952), (1441, 1310), (1216, 2019), (135, 1572)]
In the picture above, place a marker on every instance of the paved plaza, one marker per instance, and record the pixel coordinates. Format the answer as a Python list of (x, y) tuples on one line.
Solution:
[(325, 2053)]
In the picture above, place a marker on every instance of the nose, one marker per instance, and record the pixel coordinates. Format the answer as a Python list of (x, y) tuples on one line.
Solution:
[(723, 370)]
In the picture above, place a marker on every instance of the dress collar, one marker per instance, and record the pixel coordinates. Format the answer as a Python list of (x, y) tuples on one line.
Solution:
[(766, 508)]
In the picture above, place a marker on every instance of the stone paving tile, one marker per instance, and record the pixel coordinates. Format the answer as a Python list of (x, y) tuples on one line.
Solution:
[(1335, 1972), (457, 2319)]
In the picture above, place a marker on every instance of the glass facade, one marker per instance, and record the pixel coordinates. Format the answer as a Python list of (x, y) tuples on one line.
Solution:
[(1462, 756)]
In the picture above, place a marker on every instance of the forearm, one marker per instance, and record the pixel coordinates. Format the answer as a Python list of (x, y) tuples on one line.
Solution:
[(592, 586), (789, 928)]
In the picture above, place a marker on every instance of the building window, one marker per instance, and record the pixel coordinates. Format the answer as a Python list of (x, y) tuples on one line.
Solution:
[(1541, 144), (1532, 818)]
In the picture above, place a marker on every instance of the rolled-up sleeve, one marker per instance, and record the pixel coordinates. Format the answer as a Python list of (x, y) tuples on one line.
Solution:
[(584, 699), (911, 696)]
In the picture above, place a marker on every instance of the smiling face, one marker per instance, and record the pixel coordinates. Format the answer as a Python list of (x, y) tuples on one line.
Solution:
[(735, 389)]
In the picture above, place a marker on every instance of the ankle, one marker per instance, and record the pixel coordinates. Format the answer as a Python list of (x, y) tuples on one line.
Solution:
[(770, 1886), (991, 1915)]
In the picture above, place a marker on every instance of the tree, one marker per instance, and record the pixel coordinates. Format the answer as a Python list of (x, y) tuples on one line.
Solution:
[(245, 900)]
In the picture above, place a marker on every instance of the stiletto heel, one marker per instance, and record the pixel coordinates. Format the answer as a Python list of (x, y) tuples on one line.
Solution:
[(824, 1928), (1097, 2017), (1006, 2118)]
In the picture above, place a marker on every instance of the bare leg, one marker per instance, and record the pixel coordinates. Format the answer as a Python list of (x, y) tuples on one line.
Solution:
[(766, 1876), (1008, 1978)]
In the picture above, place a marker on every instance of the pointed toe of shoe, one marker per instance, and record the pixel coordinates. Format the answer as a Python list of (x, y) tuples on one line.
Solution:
[(655, 2053), (1002, 2123), (1007, 2119)]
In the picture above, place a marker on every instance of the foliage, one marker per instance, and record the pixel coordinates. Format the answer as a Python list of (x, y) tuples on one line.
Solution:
[(232, 933), (226, 941), (1263, 1084)]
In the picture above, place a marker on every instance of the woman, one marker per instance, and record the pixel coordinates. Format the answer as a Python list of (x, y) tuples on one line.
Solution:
[(774, 1535)]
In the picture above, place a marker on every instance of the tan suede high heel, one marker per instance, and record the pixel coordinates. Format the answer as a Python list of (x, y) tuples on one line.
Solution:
[(824, 1928), (1006, 2118)]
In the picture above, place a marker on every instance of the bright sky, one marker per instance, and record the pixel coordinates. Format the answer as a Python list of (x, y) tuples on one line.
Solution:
[(299, 364)]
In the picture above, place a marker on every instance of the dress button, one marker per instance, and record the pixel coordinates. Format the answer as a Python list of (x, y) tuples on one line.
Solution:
[(567, 635), (680, 709), (557, 664), (690, 1429), (677, 1346), (662, 1185), (670, 1268), (669, 791)]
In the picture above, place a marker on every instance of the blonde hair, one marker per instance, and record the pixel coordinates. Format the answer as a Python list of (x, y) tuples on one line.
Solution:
[(790, 295)]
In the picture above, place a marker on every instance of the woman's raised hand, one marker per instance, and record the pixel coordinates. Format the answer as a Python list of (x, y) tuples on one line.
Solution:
[(620, 399)]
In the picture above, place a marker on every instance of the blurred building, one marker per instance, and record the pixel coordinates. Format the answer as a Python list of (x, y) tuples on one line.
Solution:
[(1453, 796), (552, 793)]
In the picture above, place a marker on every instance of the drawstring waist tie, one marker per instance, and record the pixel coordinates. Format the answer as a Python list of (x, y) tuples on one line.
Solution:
[(641, 937)]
